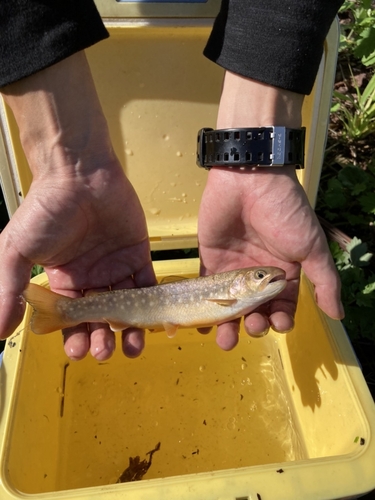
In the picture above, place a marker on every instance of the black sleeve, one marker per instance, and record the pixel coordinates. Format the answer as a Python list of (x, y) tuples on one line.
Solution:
[(35, 34), (278, 42)]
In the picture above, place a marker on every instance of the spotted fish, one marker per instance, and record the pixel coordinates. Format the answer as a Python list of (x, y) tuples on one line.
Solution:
[(196, 302)]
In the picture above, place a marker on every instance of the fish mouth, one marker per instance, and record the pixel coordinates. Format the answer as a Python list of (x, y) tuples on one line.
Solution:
[(276, 283), (278, 277)]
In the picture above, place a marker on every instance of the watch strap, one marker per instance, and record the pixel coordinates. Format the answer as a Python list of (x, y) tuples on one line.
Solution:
[(250, 147)]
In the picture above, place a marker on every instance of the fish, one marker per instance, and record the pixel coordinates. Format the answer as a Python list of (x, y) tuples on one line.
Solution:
[(192, 302)]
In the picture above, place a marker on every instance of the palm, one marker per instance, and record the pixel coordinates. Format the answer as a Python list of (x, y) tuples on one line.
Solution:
[(87, 237), (265, 219)]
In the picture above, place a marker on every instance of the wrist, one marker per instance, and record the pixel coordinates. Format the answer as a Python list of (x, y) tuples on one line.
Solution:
[(249, 103), (62, 127)]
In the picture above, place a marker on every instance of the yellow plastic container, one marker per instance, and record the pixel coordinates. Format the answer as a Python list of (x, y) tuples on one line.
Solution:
[(282, 417)]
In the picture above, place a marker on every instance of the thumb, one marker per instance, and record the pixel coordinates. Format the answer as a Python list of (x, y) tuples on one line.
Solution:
[(14, 276), (321, 271)]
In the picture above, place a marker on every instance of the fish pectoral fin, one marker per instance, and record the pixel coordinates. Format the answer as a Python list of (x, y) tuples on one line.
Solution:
[(116, 326), (172, 279), (222, 302), (170, 329)]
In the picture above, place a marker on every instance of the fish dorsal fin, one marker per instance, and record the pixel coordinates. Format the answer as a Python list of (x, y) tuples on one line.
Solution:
[(222, 302), (172, 279)]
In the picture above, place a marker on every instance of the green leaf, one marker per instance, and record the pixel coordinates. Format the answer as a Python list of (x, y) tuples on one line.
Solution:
[(334, 197), (363, 300), (356, 220), (365, 43), (358, 253), (368, 60), (370, 287), (37, 269), (336, 251), (367, 202), (352, 176)]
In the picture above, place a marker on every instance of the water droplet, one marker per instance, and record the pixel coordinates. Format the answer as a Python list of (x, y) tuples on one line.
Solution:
[(243, 366), (129, 152), (155, 211), (179, 153), (166, 137), (232, 423), (246, 381), (202, 368)]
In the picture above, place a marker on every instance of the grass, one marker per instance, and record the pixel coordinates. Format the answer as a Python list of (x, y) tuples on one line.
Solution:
[(346, 199)]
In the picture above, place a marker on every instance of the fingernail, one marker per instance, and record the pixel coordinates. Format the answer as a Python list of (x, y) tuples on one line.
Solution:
[(259, 334)]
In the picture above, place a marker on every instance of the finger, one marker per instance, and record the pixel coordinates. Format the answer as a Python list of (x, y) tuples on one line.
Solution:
[(282, 322), (256, 324), (204, 331), (133, 342), (76, 338), (277, 313), (14, 276), (76, 342), (102, 341), (227, 335), (145, 277), (323, 274)]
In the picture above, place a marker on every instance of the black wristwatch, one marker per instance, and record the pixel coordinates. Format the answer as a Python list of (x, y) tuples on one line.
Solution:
[(250, 147)]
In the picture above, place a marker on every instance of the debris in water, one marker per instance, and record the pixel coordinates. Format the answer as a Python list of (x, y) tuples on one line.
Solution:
[(137, 467)]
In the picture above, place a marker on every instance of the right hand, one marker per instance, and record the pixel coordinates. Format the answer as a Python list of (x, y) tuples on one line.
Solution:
[(81, 219), (89, 234)]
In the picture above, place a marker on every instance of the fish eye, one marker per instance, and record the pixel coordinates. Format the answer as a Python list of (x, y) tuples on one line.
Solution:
[(260, 274)]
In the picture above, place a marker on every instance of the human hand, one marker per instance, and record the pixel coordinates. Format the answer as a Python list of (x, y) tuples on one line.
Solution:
[(89, 234), (81, 219), (263, 217)]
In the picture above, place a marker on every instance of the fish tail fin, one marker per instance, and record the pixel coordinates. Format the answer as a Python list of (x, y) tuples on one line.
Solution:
[(46, 316)]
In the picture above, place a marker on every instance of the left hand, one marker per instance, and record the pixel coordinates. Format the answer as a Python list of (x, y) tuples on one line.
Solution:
[(263, 217)]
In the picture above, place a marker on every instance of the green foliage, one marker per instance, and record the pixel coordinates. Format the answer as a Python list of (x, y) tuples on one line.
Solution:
[(358, 287), (356, 112), (358, 35), (37, 269), (347, 189), (347, 197)]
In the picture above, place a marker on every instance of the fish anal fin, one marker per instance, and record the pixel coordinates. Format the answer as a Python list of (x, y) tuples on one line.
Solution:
[(222, 302), (170, 329)]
